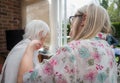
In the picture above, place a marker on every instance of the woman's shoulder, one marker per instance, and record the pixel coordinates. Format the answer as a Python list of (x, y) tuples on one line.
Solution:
[(22, 43), (80, 42), (20, 46), (88, 43)]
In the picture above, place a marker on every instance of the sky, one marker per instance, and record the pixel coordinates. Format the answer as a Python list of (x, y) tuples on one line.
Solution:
[(73, 5)]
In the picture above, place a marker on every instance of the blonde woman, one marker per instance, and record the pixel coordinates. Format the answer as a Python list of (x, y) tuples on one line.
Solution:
[(35, 29), (88, 58)]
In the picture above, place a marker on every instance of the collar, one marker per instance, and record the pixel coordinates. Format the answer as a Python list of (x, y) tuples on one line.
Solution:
[(101, 35)]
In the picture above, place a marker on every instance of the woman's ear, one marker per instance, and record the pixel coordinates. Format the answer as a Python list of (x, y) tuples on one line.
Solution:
[(40, 34), (83, 20), (42, 37)]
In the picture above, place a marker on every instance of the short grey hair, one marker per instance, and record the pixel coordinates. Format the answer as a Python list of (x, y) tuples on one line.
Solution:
[(33, 28)]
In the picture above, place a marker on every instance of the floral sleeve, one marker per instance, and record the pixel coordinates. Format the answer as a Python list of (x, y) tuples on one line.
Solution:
[(87, 61), (49, 70), (39, 74)]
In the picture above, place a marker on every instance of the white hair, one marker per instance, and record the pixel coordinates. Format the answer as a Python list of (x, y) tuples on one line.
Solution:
[(33, 29)]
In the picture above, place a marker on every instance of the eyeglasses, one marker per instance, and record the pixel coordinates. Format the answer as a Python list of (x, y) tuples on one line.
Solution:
[(71, 18)]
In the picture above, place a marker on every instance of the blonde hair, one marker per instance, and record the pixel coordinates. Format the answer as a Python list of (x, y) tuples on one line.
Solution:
[(33, 29), (96, 19)]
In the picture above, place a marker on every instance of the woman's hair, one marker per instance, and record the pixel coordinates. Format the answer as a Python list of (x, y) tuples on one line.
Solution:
[(33, 29), (94, 19)]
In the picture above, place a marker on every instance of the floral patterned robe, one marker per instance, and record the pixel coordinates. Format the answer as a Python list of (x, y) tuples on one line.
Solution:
[(82, 61)]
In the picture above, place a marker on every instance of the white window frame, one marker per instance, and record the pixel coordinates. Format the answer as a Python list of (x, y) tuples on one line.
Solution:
[(58, 23)]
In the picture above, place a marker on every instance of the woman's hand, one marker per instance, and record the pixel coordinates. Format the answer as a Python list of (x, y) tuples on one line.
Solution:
[(35, 45)]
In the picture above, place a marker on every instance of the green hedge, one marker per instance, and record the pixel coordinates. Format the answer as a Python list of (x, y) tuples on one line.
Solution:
[(68, 29), (117, 28)]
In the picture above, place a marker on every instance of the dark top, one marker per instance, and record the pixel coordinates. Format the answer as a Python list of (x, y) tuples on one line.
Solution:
[(111, 40)]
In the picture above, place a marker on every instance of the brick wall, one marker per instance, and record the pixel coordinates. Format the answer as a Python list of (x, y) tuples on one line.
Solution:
[(10, 18)]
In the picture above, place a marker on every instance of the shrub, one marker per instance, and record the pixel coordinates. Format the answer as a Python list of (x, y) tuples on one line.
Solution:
[(117, 29)]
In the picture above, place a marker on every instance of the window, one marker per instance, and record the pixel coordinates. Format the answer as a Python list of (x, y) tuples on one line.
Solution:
[(60, 11)]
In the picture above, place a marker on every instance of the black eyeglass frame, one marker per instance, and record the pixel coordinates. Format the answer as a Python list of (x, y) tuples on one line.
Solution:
[(71, 17)]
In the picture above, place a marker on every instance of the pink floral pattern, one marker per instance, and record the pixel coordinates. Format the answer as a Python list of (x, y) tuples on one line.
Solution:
[(91, 75), (48, 69), (53, 62), (81, 61), (96, 56)]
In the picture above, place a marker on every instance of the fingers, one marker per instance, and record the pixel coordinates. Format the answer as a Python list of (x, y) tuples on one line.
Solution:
[(38, 46), (35, 44)]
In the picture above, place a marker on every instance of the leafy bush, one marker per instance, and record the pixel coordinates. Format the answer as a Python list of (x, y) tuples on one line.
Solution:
[(117, 29), (68, 29)]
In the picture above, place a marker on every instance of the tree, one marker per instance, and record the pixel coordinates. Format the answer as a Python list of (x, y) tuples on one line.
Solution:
[(104, 3), (113, 8), (117, 2)]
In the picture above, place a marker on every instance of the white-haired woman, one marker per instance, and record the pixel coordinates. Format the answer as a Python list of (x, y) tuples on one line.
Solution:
[(35, 29), (88, 58)]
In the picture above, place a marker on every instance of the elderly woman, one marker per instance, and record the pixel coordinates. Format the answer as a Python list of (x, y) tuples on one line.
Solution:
[(88, 58), (36, 29)]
